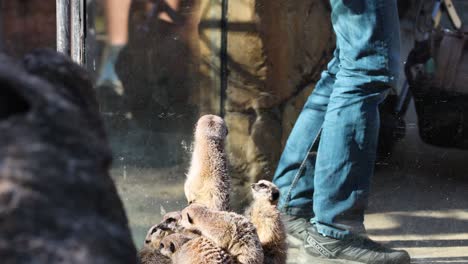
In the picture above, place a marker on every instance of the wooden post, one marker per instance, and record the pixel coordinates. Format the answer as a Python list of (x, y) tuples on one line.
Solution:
[(63, 26)]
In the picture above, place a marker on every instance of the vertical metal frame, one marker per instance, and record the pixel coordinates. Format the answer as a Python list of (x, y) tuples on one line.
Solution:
[(77, 16), (63, 26), (1, 27), (223, 56), (71, 29)]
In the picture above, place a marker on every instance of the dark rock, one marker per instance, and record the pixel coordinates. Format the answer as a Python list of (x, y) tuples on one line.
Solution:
[(58, 203)]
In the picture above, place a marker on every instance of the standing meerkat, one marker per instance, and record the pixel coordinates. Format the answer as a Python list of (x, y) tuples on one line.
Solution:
[(229, 231), (207, 181), (265, 216), (184, 250)]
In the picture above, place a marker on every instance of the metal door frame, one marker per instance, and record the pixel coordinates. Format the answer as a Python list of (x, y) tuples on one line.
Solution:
[(71, 28)]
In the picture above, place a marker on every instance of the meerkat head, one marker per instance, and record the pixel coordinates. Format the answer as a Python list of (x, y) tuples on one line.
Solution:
[(168, 225), (154, 237), (211, 126), (190, 214), (264, 189), (171, 243), (170, 222)]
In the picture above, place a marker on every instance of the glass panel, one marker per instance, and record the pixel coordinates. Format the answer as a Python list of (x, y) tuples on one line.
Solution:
[(170, 69), (154, 79), (158, 66)]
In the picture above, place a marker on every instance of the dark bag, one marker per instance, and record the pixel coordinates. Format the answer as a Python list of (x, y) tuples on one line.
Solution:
[(451, 53), (437, 71)]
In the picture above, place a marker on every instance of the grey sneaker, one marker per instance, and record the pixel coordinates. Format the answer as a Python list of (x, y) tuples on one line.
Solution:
[(316, 248)]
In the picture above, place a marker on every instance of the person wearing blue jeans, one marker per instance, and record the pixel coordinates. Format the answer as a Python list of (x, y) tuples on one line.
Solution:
[(325, 169)]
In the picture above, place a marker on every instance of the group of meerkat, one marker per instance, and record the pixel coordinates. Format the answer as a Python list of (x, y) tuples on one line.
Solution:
[(206, 231)]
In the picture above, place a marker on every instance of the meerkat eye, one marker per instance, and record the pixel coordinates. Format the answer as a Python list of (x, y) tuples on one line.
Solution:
[(172, 247), (154, 230), (189, 219), (275, 196), (262, 185)]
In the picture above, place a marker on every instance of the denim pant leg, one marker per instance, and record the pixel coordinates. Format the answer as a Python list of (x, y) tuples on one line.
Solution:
[(294, 175), (368, 39)]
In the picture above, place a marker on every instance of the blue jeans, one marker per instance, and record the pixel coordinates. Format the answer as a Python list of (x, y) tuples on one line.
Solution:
[(325, 169)]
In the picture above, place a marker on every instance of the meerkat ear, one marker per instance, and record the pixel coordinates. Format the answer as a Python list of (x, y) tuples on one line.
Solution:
[(172, 247), (161, 246)]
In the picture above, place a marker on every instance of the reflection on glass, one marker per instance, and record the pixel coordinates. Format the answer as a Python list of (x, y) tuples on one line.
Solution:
[(159, 74), (158, 65), (147, 59)]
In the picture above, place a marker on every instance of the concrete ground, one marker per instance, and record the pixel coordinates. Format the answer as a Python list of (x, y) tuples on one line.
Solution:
[(419, 197), (418, 200)]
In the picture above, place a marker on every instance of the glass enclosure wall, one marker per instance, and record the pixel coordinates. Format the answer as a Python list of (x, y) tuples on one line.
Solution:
[(159, 65), (157, 71), (171, 71)]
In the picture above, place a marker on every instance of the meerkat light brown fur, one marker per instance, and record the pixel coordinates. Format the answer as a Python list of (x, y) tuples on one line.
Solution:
[(150, 254), (230, 231), (184, 250), (207, 181), (169, 224), (265, 216)]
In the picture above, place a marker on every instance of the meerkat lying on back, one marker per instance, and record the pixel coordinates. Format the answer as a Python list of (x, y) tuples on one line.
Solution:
[(185, 250), (265, 216), (229, 231), (207, 181)]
